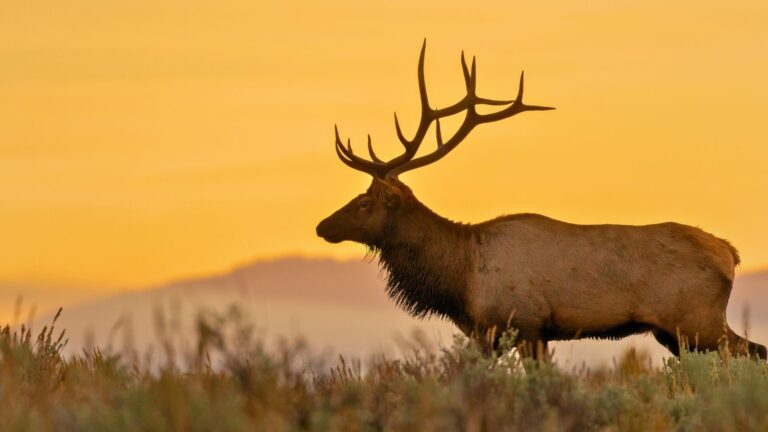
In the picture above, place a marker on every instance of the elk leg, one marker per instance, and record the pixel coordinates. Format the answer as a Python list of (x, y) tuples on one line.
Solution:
[(714, 340), (740, 345), (532, 345), (669, 341), (542, 352), (758, 350), (728, 339)]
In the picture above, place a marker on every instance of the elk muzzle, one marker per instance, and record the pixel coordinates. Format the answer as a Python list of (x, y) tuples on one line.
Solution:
[(328, 230)]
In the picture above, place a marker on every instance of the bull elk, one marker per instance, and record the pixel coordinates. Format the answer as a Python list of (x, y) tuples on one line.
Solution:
[(548, 279)]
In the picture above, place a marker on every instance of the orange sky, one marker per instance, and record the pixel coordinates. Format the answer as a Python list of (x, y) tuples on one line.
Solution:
[(143, 141)]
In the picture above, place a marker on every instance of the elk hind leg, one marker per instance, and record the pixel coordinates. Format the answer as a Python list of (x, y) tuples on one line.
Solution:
[(668, 340), (740, 345), (727, 339)]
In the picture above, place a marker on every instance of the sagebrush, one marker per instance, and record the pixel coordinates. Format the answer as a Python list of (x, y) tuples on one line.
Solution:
[(230, 382)]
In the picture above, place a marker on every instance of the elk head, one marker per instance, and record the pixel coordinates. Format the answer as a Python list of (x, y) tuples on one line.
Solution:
[(367, 217)]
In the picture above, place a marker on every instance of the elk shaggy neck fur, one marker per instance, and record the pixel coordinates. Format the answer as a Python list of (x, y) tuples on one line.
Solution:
[(426, 260)]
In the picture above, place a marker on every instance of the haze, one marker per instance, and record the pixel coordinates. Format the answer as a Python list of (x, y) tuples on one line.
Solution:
[(143, 141)]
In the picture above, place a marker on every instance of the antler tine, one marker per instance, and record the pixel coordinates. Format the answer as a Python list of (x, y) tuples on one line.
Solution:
[(465, 71), (346, 161), (352, 160), (473, 75), (370, 152), (412, 145), (484, 101), (517, 106), (438, 134), (400, 135), (470, 76), (422, 80)]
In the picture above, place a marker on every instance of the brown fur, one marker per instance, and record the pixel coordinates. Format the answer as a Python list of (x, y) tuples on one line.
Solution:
[(550, 280)]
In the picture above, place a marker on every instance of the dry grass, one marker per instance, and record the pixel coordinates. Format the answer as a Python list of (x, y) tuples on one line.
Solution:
[(229, 381)]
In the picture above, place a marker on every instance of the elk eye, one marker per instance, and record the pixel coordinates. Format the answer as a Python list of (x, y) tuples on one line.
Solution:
[(364, 204)]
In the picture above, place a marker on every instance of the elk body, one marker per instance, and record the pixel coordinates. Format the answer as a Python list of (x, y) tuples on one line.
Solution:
[(548, 279)]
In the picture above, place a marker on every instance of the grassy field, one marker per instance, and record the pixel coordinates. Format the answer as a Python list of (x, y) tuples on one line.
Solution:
[(230, 381)]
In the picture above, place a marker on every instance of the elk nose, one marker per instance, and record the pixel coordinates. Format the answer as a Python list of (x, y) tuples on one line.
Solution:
[(327, 232), (322, 228)]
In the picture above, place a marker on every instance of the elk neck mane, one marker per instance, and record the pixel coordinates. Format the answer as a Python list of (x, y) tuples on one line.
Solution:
[(427, 260)]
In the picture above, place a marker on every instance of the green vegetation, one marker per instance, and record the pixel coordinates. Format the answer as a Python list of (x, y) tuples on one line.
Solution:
[(230, 381)]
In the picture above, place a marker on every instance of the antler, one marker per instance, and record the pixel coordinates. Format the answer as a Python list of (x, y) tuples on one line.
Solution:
[(405, 162)]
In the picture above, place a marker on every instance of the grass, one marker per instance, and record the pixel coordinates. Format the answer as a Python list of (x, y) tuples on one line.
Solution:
[(229, 381)]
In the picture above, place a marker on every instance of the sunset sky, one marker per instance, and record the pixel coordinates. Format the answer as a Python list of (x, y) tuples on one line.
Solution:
[(145, 141)]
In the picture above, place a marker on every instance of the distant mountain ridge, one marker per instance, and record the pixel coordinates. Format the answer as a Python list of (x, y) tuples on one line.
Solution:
[(321, 280), (335, 304)]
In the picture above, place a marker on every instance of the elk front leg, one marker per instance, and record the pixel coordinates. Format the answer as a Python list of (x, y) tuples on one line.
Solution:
[(531, 344)]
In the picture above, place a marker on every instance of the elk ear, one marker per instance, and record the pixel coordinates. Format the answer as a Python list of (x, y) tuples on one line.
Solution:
[(387, 193), (391, 199)]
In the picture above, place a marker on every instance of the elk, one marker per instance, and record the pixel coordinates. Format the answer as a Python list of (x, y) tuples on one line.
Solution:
[(550, 280)]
